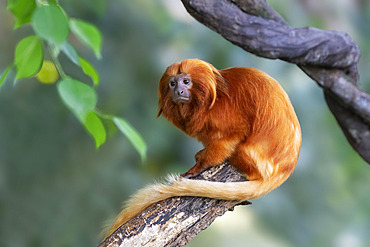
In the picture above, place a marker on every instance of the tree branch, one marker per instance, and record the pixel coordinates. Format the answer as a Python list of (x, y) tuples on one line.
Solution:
[(328, 57), (175, 221)]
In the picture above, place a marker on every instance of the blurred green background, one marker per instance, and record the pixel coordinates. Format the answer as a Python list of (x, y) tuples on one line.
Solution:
[(56, 189)]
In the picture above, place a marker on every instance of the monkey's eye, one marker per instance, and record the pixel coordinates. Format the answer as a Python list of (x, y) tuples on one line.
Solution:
[(172, 83), (186, 81)]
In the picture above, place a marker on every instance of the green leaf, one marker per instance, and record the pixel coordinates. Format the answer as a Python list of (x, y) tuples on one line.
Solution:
[(95, 127), (51, 24), (28, 57), (71, 53), (79, 97), (89, 70), (88, 34), (22, 10), (5, 74), (132, 135)]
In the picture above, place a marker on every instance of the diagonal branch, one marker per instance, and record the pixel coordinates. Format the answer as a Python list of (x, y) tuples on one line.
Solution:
[(328, 57), (175, 221)]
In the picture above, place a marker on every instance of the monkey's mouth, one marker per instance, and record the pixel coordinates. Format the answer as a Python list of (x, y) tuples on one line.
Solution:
[(181, 100)]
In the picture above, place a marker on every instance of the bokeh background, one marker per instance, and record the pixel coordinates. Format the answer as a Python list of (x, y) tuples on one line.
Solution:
[(56, 189)]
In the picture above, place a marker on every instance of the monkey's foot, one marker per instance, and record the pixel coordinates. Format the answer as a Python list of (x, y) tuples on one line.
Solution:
[(188, 175)]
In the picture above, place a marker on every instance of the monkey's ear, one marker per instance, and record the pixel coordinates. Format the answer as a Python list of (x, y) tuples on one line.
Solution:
[(159, 111), (160, 95), (160, 104)]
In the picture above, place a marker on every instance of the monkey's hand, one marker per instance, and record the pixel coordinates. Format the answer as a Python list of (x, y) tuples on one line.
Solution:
[(199, 154), (214, 154), (194, 170)]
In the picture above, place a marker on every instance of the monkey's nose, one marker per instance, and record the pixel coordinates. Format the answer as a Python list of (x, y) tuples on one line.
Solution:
[(180, 92)]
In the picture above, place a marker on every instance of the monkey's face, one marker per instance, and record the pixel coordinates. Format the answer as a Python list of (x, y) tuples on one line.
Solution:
[(186, 88), (180, 86)]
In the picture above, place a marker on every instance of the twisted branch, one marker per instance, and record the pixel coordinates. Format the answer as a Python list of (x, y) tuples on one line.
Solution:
[(328, 57)]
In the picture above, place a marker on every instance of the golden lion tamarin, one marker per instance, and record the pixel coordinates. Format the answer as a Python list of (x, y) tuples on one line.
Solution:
[(240, 114)]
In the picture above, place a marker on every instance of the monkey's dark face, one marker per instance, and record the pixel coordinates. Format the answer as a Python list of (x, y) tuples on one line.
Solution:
[(180, 86)]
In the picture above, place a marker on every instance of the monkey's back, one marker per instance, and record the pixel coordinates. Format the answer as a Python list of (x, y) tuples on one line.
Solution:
[(274, 131)]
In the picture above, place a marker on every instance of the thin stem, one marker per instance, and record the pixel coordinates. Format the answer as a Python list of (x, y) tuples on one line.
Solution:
[(103, 115), (55, 59)]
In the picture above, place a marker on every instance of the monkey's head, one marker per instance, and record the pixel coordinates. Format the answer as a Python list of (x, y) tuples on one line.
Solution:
[(189, 85)]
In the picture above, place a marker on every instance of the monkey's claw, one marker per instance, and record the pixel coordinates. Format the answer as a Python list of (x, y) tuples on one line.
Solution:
[(187, 175)]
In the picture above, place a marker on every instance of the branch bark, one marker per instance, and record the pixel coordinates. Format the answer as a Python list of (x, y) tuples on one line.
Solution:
[(328, 57), (175, 221)]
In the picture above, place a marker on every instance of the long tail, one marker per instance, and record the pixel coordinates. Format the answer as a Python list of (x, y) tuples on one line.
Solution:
[(178, 186)]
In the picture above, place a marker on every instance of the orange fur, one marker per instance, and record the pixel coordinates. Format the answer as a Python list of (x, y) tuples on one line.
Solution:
[(240, 114)]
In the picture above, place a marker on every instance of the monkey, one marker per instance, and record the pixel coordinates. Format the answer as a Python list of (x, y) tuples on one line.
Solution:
[(239, 114)]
